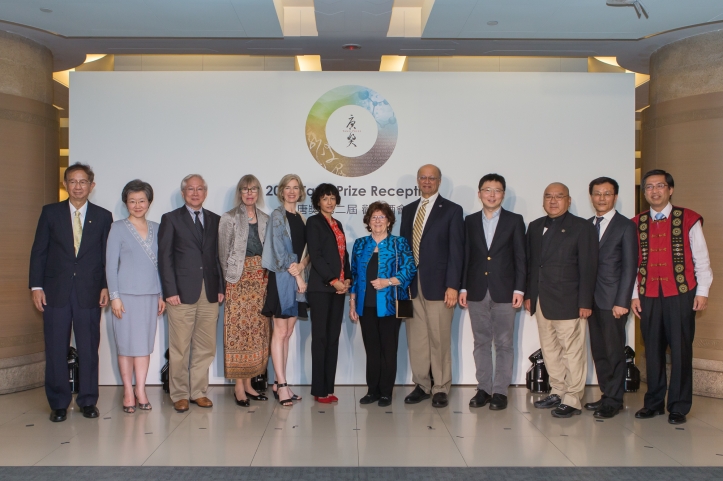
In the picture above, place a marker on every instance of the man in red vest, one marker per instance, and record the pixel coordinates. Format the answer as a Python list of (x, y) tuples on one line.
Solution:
[(674, 277)]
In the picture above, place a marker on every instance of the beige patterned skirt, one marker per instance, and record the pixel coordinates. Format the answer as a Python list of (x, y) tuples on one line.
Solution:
[(246, 333)]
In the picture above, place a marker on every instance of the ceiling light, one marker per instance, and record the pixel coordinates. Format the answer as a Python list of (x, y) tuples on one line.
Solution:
[(351, 46), (492, 23), (46, 10)]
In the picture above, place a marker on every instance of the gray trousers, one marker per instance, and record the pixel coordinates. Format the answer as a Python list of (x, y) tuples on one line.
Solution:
[(493, 322)]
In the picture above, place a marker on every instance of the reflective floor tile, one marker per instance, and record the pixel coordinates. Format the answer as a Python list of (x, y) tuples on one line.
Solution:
[(220, 424), (510, 451), (695, 451), (583, 425), (321, 422), (107, 451), (26, 451), (659, 427), (484, 422), (401, 424), (398, 405), (210, 451), (305, 451), (409, 451), (612, 451)]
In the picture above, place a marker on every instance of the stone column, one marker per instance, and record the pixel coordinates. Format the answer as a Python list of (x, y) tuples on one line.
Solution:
[(28, 180), (683, 134)]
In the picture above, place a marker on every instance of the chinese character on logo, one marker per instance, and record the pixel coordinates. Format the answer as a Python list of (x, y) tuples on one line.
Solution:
[(365, 208), (352, 209), (351, 139), (351, 123)]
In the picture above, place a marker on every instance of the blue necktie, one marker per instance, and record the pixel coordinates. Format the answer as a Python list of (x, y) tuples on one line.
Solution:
[(659, 216), (598, 221)]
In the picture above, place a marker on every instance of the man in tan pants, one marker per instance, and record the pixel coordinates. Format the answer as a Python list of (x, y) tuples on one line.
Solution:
[(193, 287), (562, 253), (434, 227)]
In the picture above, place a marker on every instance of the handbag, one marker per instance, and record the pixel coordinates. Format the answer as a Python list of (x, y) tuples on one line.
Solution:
[(404, 309)]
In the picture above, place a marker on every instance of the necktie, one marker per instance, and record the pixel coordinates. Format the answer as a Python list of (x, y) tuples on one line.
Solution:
[(77, 231), (598, 221), (197, 222), (418, 229), (659, 216)]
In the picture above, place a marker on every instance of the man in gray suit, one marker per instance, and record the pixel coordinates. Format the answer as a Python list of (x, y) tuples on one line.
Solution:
[(616, 270)]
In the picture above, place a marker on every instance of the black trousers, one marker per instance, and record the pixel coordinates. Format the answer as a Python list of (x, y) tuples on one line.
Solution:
[(57, 325), (607, 343), (327, 312), (669, 321), (381, 338)]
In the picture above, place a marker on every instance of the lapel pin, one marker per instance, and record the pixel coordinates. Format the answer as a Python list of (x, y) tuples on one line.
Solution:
[(90, 222), (563, 230)]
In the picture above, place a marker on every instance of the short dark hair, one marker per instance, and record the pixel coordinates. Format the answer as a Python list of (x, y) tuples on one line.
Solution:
[(384, 208), (78, 166), (322, 190), (605, 180), (137, 185), (492, 178), (668, 178)]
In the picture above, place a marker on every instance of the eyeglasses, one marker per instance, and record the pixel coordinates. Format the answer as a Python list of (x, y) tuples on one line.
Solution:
[(191, 190), (246, 190), (82, 183), (651, 187), (424, 178), (378, 217), (490, 190), (558, 197), (604, 195)]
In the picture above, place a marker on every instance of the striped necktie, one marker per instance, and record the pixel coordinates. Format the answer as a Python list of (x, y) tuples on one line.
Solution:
[(418, 229), (77, 231)]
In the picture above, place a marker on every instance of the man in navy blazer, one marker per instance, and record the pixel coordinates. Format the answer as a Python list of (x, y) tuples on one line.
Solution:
[(67, 278), (434, 228), (616, 270), (493, 285)]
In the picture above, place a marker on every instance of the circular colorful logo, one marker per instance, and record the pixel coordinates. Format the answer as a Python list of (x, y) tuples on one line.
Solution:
[(351, 131)]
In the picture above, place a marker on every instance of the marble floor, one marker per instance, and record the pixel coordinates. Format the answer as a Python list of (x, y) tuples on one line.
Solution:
[(348, 434)]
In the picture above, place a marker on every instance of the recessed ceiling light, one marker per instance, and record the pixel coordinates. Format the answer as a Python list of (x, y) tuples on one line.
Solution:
[(351, 46), (492, 23), (46, 10)]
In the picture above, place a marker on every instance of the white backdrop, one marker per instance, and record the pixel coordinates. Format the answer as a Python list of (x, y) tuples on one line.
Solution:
[(533, 128)]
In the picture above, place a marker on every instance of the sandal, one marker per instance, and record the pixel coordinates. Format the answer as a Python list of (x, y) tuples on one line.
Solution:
[(276, 393), (143, 407), (284, 402), (129, 409)]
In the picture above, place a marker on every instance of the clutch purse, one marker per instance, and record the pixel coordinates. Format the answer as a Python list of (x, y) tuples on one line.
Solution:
[(404, 308)]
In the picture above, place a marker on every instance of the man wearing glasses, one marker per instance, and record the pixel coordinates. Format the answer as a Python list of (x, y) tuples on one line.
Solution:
[(493, 284), (67, 278), (617, 265), (674, 277), (562, 252), (193, 288), (434, 228)]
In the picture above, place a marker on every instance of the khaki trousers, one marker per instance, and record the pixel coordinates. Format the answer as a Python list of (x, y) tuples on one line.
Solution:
[(429, 338), (192, 346), (563, 348)]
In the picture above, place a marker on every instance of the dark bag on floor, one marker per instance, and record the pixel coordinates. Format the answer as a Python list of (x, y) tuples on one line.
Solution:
[(165, 376), (538, 380)]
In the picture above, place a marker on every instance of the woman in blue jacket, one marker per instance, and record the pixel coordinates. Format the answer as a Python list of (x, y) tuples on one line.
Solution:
[(381, 263)]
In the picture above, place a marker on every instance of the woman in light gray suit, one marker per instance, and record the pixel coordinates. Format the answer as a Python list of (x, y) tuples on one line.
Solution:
[(135, 291), (246, 331)]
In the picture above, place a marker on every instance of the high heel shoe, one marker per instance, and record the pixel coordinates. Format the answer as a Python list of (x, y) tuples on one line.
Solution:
[(275, 391), (256, 397), (284, 402), (241, 402), (142, 407)]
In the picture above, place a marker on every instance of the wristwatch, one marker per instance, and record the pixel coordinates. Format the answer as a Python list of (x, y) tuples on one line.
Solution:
[(390, 281)]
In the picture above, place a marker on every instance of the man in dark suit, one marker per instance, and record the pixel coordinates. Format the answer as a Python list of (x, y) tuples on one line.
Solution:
[(562, 253), (616, 270), (434, 228), (67, 278), (193, 287), (493, 284)]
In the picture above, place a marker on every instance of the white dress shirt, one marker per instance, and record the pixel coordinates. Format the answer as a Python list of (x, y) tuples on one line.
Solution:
[(83, 211), (699, 249), (607, 217)]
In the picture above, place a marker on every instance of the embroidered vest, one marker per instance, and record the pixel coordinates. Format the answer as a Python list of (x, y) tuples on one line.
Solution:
[(665, 259)]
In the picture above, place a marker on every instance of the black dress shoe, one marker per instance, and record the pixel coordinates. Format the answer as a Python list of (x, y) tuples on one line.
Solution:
[(498, 402), (645, 413), (90, 412), (369, 399), (480, 399), (416, 396), (58, 415), (550, 401), (385, 401), (594, 406), (676, 418), (439, 400), (257, 397), (241, 402), (606, 412), (565, 411)]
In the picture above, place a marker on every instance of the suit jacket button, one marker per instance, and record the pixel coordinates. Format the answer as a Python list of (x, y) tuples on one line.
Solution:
[(540, 266), (201, 267), (489, 258), (485, 273)]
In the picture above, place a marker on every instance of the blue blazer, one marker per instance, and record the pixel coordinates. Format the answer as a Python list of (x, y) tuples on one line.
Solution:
[(362, 253), (53, 263)]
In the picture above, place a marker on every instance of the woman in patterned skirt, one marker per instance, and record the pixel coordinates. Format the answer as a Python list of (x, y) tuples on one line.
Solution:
[(246, 332)]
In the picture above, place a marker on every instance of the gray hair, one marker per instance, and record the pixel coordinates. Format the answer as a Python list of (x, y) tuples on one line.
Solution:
[(185, 180), (248, 180)]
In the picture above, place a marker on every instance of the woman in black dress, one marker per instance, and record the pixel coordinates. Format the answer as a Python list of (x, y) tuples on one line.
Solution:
[(286, 259)]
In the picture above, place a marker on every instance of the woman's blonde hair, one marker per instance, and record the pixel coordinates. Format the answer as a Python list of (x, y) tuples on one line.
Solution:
[(248, 180), (285, 181)]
